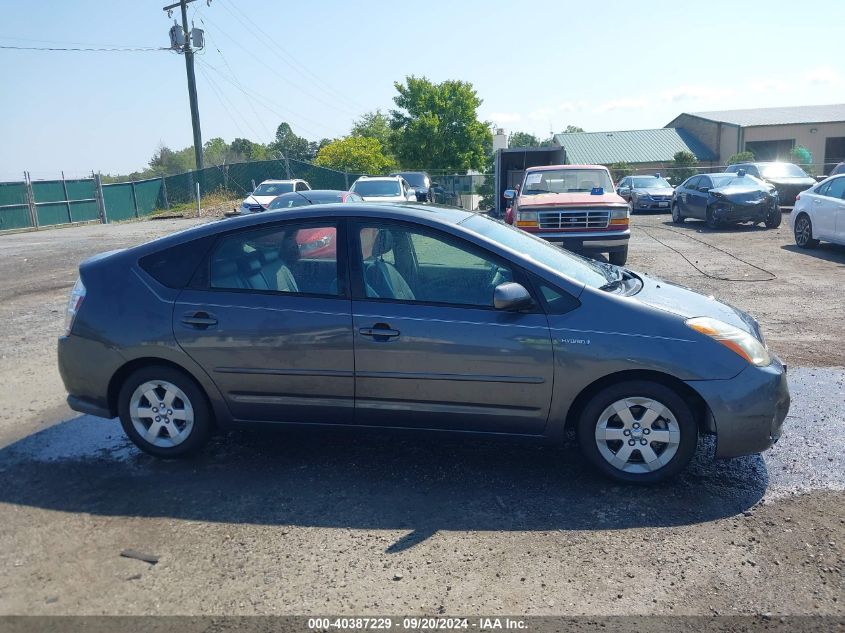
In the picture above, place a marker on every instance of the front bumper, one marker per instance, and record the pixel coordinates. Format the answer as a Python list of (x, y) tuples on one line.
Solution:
[(748, 410), (597, 242), (732, 212)]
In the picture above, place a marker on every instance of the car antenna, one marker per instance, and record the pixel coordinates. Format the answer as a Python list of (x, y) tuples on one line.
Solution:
[(307, 199)]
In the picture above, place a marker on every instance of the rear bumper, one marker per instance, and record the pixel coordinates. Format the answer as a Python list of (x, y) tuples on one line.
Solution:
[(600, 242), (86, 367), (748, 410)]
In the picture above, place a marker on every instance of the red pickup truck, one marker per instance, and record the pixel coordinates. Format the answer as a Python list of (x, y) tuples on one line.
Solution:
[(575, 206)]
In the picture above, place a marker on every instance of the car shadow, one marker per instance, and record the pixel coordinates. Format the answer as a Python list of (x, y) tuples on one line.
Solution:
[(826, 251), (365, 480), (699, 226)]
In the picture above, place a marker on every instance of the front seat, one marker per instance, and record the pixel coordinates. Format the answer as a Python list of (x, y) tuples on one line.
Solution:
[(382, 276)]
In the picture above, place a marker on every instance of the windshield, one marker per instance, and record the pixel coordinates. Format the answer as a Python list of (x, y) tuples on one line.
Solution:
[(573, 266), (273, 188), (377, 188), (734, 181), (414, 179), (782, 170), (651, 183), (565, 181)]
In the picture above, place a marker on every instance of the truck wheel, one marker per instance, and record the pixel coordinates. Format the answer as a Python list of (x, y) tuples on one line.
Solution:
[(618, 258)]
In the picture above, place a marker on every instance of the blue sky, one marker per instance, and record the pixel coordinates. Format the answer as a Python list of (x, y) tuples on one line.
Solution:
[(538, 66)]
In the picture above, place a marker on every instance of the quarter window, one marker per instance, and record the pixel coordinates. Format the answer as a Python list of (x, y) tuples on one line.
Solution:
[(836, 189), (294, 258)]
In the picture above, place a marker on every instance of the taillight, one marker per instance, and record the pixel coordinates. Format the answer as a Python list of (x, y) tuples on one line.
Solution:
[(77, 295), (798, 197)]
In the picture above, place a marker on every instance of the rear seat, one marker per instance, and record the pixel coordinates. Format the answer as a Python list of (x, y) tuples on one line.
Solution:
[(250, 269), (256, 271)]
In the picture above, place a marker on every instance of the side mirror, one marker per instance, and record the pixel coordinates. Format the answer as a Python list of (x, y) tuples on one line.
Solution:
[(704, 189), (509, 194), (435, 184), (511, 296)]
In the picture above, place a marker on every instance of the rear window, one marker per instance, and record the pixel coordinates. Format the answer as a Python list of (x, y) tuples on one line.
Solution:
[(173, 267)]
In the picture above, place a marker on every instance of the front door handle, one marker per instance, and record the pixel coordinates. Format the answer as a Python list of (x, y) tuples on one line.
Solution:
[(380, 332), (199, 320)]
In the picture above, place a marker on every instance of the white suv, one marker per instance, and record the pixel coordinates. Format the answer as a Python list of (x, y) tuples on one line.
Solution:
[(384, 189), (264, 193)]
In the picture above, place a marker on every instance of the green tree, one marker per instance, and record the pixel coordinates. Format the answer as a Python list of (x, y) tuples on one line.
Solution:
[(572, 128), (356, 154), (289, 144), (741, 157), (523, 139), (619, 170), (436, 126), (166, 162), (375, 125), (801, 156), (683, 166), (242, 149), (215, 151)]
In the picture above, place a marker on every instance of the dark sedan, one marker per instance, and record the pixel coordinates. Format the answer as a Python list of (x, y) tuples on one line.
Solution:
[(788, 179), (422, 317), (420, 182), (726, 199), (313, 196)]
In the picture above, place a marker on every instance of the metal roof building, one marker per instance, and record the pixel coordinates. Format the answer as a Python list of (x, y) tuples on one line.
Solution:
[(634, 147), (772, 133)]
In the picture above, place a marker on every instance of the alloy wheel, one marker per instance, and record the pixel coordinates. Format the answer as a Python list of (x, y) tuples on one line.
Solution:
[(803, 231), (637, 435), (161, 413)]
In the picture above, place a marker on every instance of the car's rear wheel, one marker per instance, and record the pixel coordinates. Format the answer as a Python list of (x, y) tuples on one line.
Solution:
[(164, 412), (804, 232), (677, 218), (638, 432), (774, 218), (618, 258)]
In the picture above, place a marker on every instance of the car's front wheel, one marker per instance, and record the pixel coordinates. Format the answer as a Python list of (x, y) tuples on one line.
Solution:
[(638, 432), (710, 219), (774, 218), (677, 218), (164, 412)]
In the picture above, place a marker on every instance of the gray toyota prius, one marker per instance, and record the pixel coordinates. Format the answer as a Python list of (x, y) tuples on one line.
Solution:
[(413, 317)]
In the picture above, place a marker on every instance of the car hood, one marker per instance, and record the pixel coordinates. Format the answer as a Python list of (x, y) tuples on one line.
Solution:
[(809, 182), (688, 303), (580, 198), (262, 200), (384, 198), (654, 191), (743, 192)]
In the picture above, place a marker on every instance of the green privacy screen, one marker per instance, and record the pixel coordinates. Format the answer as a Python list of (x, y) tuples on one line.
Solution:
[(14, 210)]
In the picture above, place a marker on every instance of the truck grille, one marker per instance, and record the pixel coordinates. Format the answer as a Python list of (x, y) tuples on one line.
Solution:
[(574, 219)]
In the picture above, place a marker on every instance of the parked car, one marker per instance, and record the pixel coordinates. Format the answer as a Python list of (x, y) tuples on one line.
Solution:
[(646, 193), (313, 196), (430, 318), (264, 193), (443, 196), (726, 198), (574, 206), (788, 179), (819, 214), (420, 182), (384, 189)]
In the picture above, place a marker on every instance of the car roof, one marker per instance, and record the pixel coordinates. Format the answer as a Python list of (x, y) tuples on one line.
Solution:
[(312, 192), (556, 167), (273, 181), (379, 177), (426, 214)]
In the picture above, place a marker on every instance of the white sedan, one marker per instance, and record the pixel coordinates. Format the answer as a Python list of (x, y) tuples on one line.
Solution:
[(384, 189), (819, 214)]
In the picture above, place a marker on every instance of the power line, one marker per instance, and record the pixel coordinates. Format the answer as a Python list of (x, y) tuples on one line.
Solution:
[(86, 50), (294, 63)]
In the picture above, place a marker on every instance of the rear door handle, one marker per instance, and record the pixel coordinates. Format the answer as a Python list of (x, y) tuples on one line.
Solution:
[(380, 332), (199, 320)]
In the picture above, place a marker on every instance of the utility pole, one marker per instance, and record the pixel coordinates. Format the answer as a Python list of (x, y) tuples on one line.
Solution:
[(192, 82)]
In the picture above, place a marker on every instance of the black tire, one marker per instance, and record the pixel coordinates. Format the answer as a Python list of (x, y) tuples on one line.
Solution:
[(804, 232), (774, 218), (710, 219), (618, 258), (660, 394), (202, 423), (677, 218)]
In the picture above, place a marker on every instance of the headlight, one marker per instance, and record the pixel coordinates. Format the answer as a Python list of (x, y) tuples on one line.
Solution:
[(620, 213), (644, 196), (526, 218), (733, 338)]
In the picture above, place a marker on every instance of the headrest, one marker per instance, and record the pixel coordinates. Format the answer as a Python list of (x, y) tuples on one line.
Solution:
[(383, 243), (268, 256), (225, 267), (249, 264)]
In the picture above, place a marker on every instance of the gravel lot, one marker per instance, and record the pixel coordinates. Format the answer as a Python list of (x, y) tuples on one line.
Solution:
[(315, 523)]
